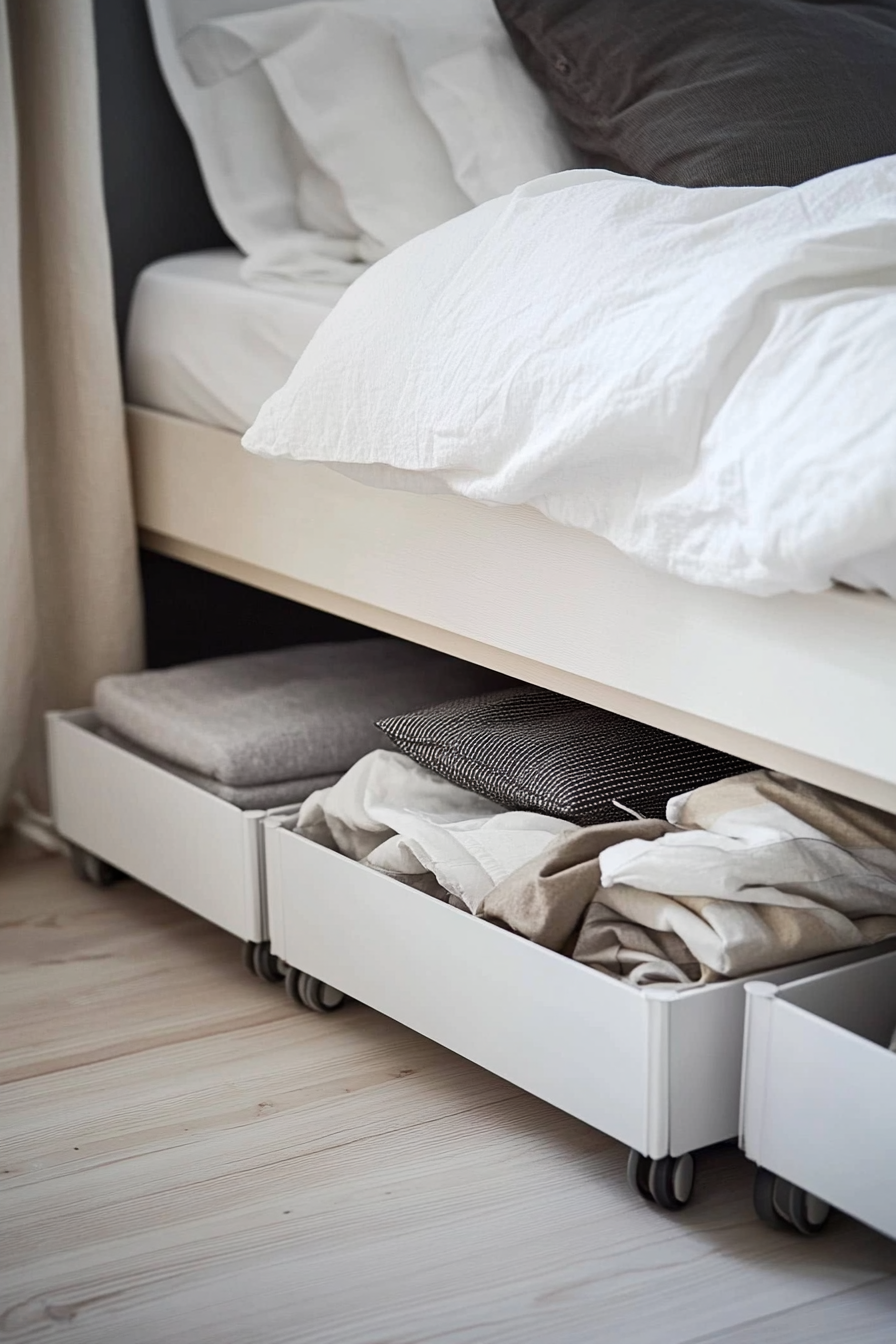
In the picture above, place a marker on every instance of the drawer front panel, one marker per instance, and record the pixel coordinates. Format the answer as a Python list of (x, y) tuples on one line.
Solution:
[(820, 1099), (559, 1030), (183, 842)]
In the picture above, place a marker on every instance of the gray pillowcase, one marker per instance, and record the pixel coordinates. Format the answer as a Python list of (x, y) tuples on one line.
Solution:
[(700, 93), (531, 750)]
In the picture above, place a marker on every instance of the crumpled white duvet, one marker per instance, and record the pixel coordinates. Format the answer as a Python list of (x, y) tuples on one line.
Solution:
[(705, 377)]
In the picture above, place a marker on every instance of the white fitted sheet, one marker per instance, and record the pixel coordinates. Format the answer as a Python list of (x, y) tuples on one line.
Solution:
[(204, 344)]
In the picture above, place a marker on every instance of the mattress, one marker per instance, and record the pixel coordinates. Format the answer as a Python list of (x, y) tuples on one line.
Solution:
[(205, 345)]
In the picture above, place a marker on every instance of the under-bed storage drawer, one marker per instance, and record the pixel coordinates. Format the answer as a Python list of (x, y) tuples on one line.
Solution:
[(819, 1086), (658, 1069), (155, 826)]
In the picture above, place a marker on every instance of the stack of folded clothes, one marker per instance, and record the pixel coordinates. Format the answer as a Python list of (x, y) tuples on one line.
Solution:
[(745, 874), (638, 853), (267, 729), (486, 782)]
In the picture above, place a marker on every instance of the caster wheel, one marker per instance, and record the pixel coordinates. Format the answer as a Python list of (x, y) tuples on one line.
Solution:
[(807, 1212), (90, 868), (638, 1174), (265, 965), (782, 1205), (764, 1183), (309, 992), (249, 957), (666, 1181), (671, 1181)]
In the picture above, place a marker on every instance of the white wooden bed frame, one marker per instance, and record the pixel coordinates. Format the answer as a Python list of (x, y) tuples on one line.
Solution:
[(804, 684)]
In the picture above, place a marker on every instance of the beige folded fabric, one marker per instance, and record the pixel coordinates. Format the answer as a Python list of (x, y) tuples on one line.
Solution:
[(757, 872), (545, 900), (556, 901)]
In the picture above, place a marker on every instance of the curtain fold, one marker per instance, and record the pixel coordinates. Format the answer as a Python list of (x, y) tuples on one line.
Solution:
[(69, 586)]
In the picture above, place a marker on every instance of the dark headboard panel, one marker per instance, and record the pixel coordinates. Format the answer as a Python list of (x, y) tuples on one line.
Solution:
[(155, 198)]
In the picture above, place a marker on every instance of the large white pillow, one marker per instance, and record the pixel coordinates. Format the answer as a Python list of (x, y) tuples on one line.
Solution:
[(343, 87), (702, 376), (496, 123), (253, 164)]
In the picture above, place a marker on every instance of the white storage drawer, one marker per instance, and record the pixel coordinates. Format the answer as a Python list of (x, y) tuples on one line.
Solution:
[(819, 1086), (155, 826), (659, 1069)]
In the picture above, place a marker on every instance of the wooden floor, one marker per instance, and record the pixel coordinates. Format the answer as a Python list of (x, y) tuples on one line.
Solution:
[(188, 1159)]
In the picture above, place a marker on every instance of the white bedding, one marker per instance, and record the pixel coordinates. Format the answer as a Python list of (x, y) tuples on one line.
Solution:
[(703, 377), (205, 345)]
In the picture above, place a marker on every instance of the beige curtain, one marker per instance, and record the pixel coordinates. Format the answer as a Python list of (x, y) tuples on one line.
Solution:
[(69, 592)]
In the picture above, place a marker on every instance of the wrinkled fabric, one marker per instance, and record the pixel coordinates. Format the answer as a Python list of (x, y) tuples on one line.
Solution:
[(750, 873), (403, 820)]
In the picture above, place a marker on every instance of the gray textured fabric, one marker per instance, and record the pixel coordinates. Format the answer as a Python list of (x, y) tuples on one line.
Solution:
[(249, 798), (291, 714), (711, 93), (529, 749)]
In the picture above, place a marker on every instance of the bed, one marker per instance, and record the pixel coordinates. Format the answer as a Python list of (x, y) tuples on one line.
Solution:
[(806, 684)]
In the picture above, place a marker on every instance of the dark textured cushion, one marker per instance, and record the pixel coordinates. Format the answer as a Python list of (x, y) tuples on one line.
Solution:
[(701, 93), (531, 750)]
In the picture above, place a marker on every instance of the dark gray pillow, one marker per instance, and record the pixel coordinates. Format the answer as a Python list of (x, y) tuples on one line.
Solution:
[(701, 93), (531, 750)]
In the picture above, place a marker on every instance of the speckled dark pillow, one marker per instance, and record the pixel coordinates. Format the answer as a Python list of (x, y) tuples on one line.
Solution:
[(699, 93), (533, 751)]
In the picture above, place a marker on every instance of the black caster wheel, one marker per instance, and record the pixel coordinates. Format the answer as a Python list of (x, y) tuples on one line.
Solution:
[(249, 957), (785, 1206), (90, 868), (671, 1181), (265, 965), (309, 992), (764, 1183), (638, 1173), (666, 1181)]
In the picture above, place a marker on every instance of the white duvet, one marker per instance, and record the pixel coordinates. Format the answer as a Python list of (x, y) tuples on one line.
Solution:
[(705, 377)]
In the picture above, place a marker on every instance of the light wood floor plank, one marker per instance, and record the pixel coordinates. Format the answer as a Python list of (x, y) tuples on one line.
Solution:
[(188, 1159), (864, 1315)]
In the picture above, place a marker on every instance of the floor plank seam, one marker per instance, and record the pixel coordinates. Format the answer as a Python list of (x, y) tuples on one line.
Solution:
[(788, 1311)]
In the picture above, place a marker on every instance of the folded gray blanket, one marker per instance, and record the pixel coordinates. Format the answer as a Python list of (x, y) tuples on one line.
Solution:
[(291, 714), (248, 797)]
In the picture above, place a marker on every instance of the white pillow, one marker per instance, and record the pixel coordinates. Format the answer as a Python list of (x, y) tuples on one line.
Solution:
[(250, 158), (342, 85), (497, 125)]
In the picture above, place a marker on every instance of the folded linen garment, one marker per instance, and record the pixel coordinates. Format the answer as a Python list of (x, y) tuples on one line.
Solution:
[(778, 872), (289, 714), (405, 821), (248, 797)]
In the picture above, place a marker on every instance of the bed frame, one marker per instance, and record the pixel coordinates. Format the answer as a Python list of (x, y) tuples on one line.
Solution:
[(802, 684)]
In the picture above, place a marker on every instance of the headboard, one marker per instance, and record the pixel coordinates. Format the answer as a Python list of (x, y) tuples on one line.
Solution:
[(155, 198)]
